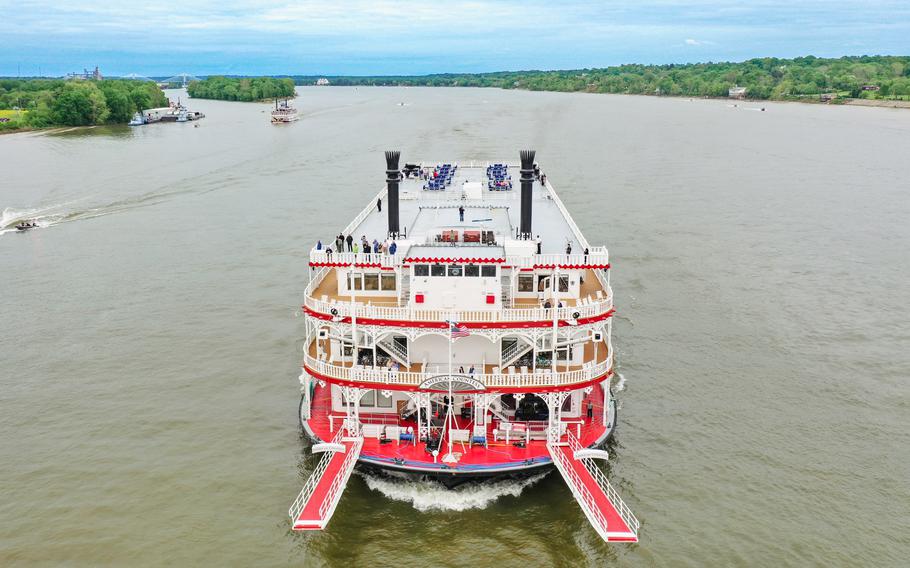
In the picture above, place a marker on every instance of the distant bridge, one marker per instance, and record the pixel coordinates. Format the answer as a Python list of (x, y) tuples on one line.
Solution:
[(183, 78), (135, 77)]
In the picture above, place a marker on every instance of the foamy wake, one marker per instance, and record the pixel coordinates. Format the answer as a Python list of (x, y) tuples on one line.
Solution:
[(11, 217), (426, 495), (620, 384)]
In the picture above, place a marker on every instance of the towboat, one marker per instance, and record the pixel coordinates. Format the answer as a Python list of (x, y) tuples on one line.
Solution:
[(459, 330)]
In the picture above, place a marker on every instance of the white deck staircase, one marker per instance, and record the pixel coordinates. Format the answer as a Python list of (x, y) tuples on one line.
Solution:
[(394, 350), (514, 351), (602, 505), (315, 505)]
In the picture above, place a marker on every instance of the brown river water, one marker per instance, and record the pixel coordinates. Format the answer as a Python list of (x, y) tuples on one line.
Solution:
[(150, 338)]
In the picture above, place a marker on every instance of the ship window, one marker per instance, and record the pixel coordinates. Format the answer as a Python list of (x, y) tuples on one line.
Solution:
[(542, 283), (438, 270), (472, 270), (563, 283), (383, 401), (371, 282), (387, 281), (525, 282), (455, 270), (355, 281), (368, 398), (421, 270), (488, 271)]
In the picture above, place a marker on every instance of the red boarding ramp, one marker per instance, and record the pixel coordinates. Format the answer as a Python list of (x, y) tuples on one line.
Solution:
[(609, 516), (317, 500)]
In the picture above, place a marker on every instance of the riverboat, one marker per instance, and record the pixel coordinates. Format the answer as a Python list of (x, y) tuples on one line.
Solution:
[(284, 112), (459, 330)]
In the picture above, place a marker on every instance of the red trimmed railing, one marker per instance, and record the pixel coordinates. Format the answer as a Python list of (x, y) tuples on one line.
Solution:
[(543, 379)]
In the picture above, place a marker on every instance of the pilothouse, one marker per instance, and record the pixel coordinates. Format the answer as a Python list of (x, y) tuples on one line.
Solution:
[(459, 329)]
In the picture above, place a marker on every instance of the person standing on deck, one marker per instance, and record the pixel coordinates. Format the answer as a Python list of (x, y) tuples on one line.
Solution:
[(461, 212), (393, 247), (339, 243), (569, 248), (538, 244), (590, 410), (350, 241), (355, 249), (379, 204), (319, 244), (586, 255)]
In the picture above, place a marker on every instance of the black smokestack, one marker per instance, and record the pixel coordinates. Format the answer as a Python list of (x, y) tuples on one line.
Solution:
[(527, 187), (392, 175)]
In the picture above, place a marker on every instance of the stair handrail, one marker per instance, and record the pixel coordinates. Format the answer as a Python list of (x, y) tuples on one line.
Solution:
[(342, 478)]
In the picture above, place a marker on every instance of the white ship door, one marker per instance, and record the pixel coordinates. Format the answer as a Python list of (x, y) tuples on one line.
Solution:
[(544, 288)]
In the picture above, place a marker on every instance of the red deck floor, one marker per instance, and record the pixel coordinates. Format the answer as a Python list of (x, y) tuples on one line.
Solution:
[(474, 458)]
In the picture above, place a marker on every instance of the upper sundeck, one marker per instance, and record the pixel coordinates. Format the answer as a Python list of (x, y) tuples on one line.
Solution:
[(461, 240), (472, 211)]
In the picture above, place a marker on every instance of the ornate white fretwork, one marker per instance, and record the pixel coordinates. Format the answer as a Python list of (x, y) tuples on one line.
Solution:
[(554, 402), (422, 401)]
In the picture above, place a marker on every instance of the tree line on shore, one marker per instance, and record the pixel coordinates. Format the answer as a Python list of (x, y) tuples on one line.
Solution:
[(56, 102), (241, 88), (764, 78)]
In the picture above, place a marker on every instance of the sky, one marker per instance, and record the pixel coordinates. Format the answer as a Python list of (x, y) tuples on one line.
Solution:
[(412, 37)]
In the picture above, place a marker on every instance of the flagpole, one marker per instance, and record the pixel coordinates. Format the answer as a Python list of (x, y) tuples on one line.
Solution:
[(449, 410)]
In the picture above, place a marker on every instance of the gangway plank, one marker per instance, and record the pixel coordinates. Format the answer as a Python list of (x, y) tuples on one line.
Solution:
[(316, 502), (603, 507)]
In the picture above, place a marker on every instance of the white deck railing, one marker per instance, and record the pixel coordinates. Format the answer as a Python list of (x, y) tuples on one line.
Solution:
[(391, 377), (597, 256), (624, 511), (412, 313)]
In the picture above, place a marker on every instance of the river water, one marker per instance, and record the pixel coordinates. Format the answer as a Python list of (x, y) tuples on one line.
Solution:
[(150, 338)]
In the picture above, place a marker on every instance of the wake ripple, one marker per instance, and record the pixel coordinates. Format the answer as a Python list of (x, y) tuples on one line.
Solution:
[(51, 215), (426, 495)]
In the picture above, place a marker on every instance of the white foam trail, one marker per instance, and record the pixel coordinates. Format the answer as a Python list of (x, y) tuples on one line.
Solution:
[(426, 495), (621, 383)]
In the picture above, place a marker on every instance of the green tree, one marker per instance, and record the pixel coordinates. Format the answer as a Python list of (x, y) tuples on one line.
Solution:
[(80, 103)]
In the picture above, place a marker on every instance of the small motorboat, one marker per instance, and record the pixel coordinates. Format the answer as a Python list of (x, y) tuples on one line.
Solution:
[(26, 225)]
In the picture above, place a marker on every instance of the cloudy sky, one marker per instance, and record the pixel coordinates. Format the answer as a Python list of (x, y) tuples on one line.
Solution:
[(415, 37)]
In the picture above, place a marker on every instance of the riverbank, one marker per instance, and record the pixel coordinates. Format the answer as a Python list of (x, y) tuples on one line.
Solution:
[(877, 103), (765, 79)]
